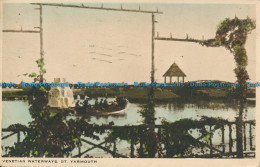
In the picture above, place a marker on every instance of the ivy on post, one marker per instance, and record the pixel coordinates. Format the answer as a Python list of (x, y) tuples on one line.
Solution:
[(42, 71), (232, 34)]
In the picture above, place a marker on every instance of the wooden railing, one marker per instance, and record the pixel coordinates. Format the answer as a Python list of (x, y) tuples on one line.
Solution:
[(221, 150)]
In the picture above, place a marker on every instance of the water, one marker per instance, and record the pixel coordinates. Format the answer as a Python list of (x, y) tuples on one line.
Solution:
[(17, 112), (173, 112)]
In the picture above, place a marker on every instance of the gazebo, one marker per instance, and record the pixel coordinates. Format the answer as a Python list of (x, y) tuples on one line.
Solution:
[(174, 71)]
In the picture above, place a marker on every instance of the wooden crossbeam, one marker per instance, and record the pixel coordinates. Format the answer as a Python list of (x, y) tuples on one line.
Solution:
[(8, 135), (179, 39), (89, 150), (98, 8), (206, 145), (16, 130), (247, 154), (22, 31), (107, 127), (211, 155), (103, 148)]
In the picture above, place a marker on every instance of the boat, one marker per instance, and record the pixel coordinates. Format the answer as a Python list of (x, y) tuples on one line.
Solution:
[(119, 111), (116, 107)]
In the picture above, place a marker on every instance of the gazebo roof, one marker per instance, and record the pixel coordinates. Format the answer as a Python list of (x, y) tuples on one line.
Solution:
[(174, 70)]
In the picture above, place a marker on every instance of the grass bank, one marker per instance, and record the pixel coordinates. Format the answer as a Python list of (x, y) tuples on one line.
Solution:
[(139, 94)]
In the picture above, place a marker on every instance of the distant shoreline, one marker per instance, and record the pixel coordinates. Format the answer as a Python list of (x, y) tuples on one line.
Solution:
[(139, 94)]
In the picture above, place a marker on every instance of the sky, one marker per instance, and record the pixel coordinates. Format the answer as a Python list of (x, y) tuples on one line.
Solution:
[(108, 46)]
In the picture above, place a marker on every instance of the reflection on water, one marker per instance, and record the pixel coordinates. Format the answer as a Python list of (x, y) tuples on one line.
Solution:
[(17, 112)]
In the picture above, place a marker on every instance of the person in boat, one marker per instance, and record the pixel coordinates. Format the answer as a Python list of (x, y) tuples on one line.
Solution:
[(105, 103), (119, 100), (114, 103), (77, 104), (85, 104), (124, 100), (96, 102), (101, 104)]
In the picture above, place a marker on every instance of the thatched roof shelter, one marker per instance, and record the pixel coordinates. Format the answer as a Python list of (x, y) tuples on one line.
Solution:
[(174, 71)]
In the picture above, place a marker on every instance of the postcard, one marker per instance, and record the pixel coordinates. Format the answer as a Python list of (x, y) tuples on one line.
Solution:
[(130, 83)]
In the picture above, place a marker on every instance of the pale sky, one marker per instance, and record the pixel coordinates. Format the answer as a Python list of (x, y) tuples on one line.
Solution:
[(107, 46)]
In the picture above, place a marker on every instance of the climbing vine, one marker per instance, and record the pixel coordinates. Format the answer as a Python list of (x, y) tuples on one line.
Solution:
[(49, 134), (232, 34), (172, 139)]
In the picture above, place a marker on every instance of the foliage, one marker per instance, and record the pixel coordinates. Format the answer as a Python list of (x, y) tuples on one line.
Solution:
[(43, 71), (147, 113), (33, 74), (172, 140), (232, 34), (48, 135), (51, 136), (40, 62)]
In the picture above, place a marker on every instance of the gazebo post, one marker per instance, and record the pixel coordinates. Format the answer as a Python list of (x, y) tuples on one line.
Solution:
[(183, 79), (170, 79), (178, 78), (165, 79)]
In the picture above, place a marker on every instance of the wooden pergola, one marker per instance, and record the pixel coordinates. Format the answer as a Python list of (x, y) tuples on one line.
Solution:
[(174, 71)]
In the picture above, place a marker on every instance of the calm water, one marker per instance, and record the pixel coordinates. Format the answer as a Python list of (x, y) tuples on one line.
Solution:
[(17, 112)]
